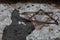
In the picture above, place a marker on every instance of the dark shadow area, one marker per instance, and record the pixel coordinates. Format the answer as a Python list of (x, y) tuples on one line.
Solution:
[(16, 31), (57, 39), (32, 1)]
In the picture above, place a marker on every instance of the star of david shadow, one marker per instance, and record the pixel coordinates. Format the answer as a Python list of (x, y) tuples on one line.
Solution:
[(16, 31)]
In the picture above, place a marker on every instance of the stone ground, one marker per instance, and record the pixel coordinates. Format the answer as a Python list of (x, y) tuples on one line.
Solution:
[(48, 31)]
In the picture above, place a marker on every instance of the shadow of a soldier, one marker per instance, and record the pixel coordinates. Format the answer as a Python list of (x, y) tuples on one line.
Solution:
[(16, 31)]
